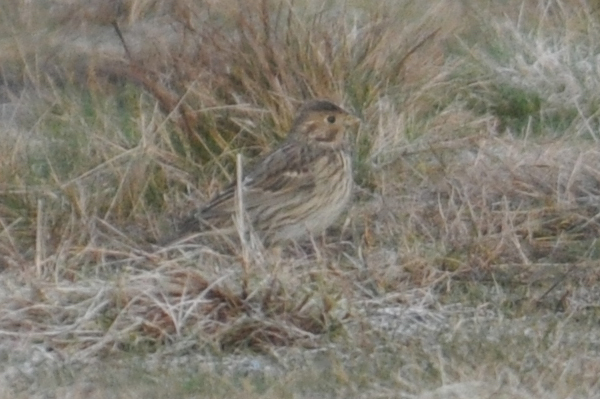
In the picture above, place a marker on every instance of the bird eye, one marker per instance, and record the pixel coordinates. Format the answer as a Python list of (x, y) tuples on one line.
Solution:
[(331, 119)]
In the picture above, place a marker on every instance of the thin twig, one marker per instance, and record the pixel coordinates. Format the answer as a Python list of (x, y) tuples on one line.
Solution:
[(240, 214), (115, 25), (39, 238)]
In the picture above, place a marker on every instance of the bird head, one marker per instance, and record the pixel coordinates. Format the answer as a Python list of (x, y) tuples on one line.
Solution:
[(322, 123)]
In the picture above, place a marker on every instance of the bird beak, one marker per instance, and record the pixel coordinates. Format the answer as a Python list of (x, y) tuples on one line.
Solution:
[(351, 120)]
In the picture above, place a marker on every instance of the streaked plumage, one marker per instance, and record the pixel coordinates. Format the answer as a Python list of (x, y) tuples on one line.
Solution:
[(300, 187)]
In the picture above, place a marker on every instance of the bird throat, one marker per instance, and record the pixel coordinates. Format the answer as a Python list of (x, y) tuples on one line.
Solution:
[(330, 137)]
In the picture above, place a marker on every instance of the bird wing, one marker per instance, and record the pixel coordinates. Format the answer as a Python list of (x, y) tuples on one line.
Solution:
[(286, 170)]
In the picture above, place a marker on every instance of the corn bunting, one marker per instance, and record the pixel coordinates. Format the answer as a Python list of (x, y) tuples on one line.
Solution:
[(300, 188)]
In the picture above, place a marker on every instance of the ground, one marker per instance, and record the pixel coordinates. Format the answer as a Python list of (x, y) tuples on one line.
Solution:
[(466, 267)]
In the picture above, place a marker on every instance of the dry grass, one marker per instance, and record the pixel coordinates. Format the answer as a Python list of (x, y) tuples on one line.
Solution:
[(467, 261)]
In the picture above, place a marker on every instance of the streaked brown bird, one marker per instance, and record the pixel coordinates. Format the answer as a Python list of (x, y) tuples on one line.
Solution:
[(300, 188)]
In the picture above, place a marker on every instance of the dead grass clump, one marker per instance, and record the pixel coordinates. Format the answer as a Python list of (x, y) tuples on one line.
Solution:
[(534, 71), (138, 310), (261, 52), (500, 201)]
